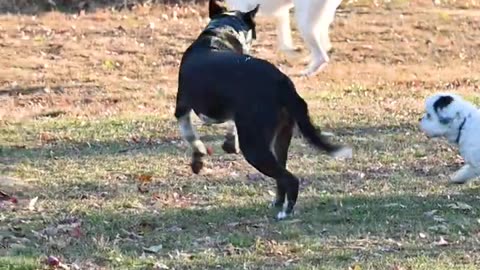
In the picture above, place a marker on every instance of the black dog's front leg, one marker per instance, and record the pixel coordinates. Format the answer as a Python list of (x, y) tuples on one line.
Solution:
[(291, 184), (280, 196), (189, 135)]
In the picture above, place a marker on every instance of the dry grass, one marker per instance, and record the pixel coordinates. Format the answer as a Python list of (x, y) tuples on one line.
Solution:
[(86, 106)]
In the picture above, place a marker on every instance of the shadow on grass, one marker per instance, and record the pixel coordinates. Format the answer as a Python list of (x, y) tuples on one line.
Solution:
[(84, 149), (337, 232)]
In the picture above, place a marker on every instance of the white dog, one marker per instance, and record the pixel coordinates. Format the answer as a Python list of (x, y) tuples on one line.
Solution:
[(448, 115), (313, 19)]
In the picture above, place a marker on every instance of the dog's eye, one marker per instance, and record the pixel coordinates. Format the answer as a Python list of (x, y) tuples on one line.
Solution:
[(428, 116)]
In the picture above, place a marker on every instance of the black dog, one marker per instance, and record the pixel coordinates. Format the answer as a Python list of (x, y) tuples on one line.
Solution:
[(221, 83)]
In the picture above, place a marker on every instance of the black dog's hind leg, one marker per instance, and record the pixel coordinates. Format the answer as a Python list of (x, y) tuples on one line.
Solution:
[(255, 149), (189, 134), (282, 140), (231, 144), (280, 144)]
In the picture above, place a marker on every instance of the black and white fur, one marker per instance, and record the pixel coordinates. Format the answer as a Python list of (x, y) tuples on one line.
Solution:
[(220, 83), (449, 115)]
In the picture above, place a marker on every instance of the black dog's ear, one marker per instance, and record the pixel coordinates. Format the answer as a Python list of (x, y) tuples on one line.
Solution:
[(251, 14), (215, 7)]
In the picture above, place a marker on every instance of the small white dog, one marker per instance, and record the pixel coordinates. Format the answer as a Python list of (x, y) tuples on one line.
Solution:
[(313, 19), (448, 115)]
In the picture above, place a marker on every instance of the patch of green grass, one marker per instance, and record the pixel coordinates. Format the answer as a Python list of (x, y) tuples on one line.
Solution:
[(116, 191), (371, 210)]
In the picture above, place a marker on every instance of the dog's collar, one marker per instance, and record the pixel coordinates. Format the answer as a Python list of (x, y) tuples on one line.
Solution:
[(460, 128), (224, 40)]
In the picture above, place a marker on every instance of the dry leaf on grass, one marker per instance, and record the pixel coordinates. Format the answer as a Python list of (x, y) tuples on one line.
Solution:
[(54, 262), (439, 229), (31, 204), (143, 181), (355, 267), (430, 213), (144, 178), (389, 205), (153, 249), (442, 242), (460, 206), (160, 266)]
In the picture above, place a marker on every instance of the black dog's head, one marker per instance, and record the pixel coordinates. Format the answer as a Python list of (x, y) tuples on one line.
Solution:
[(234, 30)]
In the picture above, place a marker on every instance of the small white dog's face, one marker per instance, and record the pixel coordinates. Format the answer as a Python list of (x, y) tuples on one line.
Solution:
[(443, 115)]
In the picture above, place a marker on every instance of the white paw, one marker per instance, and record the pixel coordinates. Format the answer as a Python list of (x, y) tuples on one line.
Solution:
[(291, 52), (281, 215), (313, 69), (343, 153), (455, 179)]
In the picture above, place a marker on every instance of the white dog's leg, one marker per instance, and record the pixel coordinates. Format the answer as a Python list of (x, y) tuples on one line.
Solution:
[(327, 18), (308, 16), (284, 33), (313, 20), (325, 36), (318, 54), (466, 173)]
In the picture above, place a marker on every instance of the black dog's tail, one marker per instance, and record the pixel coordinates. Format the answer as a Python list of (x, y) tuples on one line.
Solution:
[(298, 108)]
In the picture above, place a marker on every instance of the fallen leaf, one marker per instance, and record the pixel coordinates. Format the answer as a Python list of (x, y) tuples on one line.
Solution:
[(460, 206), (397, 267), (160, 266), (395, 205), (131, 235), (53, 261), (20, 146), (17, 246), (430, 213), (47, 137), (31, 204), (76, 232), (153, 249), (142, 188), (144, 178), (422, 235), (4, 196), (442, 242), (439, 228), (355, 267)]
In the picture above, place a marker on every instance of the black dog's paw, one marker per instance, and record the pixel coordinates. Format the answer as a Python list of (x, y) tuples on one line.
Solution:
[(197, 166), (230, 148), (197, 162)]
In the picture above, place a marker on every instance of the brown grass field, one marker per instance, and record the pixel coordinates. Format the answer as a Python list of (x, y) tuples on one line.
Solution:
[(90, 149)]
